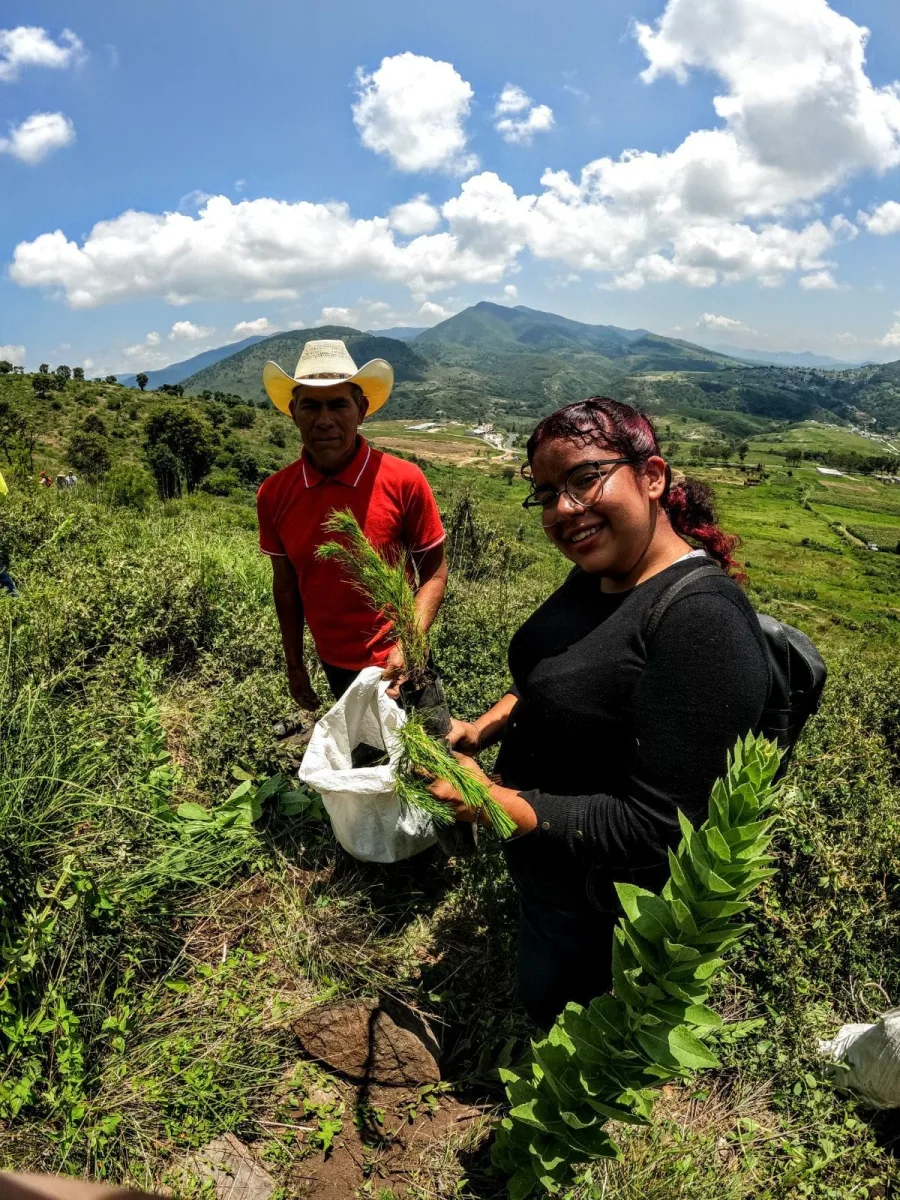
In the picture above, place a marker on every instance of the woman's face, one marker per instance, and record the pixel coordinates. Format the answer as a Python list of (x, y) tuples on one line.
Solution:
[(611, 535)]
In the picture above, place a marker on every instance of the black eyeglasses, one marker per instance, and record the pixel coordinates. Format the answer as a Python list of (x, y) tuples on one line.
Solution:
[(583, 485)]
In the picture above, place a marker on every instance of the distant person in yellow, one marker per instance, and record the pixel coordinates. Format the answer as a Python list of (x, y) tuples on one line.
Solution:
[(6, 580)]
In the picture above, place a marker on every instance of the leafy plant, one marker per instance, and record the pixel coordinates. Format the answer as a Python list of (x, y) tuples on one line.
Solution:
[(601, 1063)]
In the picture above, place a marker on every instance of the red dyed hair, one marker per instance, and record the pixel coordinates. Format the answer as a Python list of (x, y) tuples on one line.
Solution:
[(630, 434)]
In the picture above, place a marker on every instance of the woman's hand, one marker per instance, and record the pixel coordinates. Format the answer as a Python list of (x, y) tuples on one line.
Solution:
[(464, 736), (520, 810)]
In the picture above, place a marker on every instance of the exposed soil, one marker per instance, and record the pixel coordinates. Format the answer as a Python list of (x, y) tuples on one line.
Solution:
[(407, 1147)]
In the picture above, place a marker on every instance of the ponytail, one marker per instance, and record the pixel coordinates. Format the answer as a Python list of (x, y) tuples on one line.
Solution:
[(630, 433), (689, 506)]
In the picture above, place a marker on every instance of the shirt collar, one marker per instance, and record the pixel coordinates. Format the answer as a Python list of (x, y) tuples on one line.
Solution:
[(350, 475)]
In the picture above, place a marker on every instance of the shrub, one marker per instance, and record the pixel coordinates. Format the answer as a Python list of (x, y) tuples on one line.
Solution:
[(88, 453), (129, 486), (94, 424), (220, 483), (241, 417)]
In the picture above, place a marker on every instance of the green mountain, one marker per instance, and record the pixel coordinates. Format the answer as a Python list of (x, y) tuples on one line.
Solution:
[(493, 362), (241, 373), (176, 372)]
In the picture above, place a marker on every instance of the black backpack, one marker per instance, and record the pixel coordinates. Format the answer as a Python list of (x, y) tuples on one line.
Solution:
[(798, 672)]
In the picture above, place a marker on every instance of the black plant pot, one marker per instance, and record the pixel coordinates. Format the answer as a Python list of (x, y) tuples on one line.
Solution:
[(428, 700)]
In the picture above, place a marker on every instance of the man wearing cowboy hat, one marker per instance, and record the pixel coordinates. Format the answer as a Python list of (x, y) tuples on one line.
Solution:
[(327, 399)]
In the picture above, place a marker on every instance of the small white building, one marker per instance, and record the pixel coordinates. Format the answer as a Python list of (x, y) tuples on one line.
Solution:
[(829, 471)]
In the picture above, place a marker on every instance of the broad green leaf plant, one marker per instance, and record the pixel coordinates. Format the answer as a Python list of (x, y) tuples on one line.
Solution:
[(601, 1063)]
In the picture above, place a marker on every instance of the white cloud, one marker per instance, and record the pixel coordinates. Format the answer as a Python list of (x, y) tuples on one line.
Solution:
[(38, 136), (818, 281), (264, 295), (366, 314), (13, 354), (145, 354), (187, 331), (31, 46), (892, 337), (414, 217), (517, 118), (430, 311), (723, 324), (883, 220), (797, 115), (248, 328), (412, 109), (228, 250), (511, 291)]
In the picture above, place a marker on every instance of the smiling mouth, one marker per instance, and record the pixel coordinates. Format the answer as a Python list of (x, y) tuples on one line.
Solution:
[(581, 535)]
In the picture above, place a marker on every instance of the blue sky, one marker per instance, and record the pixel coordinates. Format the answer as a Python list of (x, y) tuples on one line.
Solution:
[(720, 170)]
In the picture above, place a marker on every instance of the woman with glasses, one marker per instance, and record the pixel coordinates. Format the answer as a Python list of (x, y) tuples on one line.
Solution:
[(608, 732)]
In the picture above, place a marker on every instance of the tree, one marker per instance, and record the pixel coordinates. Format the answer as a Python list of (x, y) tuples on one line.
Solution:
[(165, 468), (5, 366), (110, 379), (171, 389), (246, 466), (142, 380), (94, 424), (742, 451), (78, 374), (41, 385), (190, 440), (724, 452), (89, 454), (509, 474), (241, 417), (44, 368), (63, 372)]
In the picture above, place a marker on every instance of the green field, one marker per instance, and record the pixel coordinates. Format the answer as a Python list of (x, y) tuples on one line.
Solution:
[(158, 938)]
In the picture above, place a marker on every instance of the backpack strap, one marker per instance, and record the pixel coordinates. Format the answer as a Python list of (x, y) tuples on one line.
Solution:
[(675, 589)]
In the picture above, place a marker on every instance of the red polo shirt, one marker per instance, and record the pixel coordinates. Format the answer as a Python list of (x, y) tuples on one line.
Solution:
[(398, 514)]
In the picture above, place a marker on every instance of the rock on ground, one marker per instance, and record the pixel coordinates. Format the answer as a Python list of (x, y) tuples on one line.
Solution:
[(371, 1041)]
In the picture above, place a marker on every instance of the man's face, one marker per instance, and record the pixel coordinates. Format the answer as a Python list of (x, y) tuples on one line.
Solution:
[(328, 419)]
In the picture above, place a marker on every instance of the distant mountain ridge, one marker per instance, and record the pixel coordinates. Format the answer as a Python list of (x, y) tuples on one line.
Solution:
[(785, 358), (496, 362), (179, 371)]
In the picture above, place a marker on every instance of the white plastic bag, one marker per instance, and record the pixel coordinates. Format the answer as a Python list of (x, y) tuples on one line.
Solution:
[(866, 1059), (367, 820)]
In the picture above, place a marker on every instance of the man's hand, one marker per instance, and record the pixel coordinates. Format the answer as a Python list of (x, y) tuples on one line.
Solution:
[(302, 690), (395, 671), (464, 736)]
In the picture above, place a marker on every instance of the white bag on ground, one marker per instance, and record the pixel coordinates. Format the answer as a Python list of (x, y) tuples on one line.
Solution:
[(866, 1059), (367, 820)]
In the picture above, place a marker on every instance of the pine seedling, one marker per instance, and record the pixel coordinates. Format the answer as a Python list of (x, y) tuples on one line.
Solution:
[(422, 756), (387, 588), (384, 584), (602, 1062)]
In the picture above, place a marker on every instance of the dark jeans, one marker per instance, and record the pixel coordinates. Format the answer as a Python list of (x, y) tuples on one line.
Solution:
[(7, 582), (562, 957), (339, 678)]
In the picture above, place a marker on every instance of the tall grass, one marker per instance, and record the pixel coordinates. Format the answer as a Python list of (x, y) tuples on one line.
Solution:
[(158, 967)]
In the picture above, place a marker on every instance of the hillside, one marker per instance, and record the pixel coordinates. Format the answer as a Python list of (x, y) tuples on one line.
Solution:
[(493, 362), (241, 373), (178, 371)]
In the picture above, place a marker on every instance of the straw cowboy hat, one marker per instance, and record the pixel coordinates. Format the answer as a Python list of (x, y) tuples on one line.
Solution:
[(323, 364)]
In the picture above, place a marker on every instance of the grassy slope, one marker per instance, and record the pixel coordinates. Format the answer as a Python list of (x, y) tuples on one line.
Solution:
[(203, 949)]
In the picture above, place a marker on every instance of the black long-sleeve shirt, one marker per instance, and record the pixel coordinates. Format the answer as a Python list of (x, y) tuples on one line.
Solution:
[(612, 734)]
